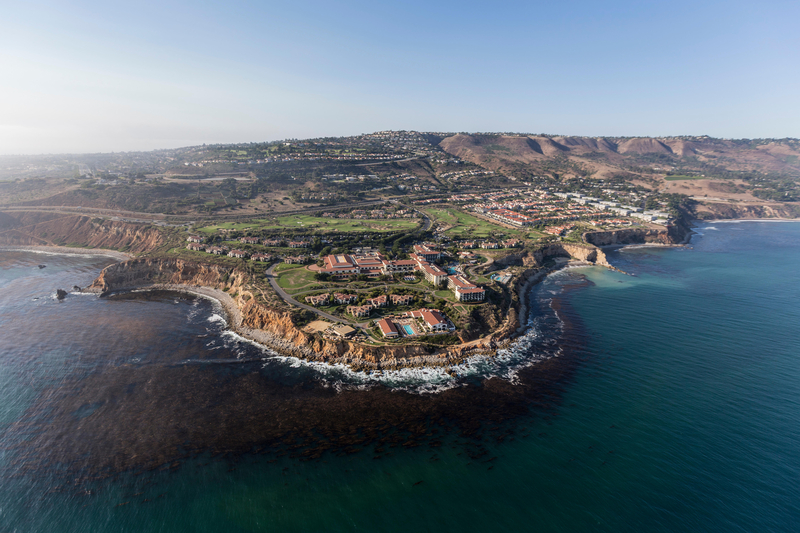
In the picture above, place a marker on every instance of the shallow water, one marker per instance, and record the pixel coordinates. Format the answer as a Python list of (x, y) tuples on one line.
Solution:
[(665, 401)]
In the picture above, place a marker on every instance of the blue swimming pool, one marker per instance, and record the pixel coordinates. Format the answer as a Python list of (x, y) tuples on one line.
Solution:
[(408, 329)]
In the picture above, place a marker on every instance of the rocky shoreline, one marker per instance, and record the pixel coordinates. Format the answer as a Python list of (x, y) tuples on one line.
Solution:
[(275, 328)]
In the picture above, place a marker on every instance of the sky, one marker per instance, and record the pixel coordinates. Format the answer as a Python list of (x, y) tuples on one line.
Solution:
[(88, 76)]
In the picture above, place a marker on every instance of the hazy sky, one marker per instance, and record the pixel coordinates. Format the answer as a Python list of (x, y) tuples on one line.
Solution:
[(100, 76)]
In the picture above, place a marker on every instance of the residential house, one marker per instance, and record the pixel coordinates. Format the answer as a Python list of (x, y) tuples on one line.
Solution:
[(319, 299), (340, 298), (401, 299), (380, 301), (359, 311)]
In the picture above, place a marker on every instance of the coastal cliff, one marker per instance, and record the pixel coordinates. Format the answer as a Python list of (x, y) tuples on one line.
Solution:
[(277, 328), (28, 228), (273, 328), (675, 233)]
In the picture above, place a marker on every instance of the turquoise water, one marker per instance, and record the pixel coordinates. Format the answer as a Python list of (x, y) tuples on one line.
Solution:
[(666, 401), (408, 329)]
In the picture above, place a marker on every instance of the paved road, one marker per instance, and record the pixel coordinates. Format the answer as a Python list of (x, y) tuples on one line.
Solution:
[(283, 294)]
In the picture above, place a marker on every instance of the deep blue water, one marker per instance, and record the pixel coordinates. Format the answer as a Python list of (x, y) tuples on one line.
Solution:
[(668, 400)]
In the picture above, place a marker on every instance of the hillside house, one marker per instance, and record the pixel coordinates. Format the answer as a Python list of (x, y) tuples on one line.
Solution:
[(319, 299), (340, 298), (359, 311)]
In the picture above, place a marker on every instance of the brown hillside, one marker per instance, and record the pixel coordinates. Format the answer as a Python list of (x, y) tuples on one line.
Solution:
[(488, 149), (547, 146), (680, 147), (587, 144), (643, 146)]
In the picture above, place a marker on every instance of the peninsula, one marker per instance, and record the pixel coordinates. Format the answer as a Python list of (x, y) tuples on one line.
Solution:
[(386, 250)]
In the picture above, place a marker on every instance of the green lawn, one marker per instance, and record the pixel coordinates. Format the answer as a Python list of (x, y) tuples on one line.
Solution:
[(469, 226), (446, 295), (295, 279), (283, 267), (319, 224)]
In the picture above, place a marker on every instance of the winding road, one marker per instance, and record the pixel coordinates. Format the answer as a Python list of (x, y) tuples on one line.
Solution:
[(285, 295)]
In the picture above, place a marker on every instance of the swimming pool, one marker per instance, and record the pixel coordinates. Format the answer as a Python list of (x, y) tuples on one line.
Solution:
[(408, 329)]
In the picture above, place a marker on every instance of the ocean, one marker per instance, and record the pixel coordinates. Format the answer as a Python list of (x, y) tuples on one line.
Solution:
[(663, 400)]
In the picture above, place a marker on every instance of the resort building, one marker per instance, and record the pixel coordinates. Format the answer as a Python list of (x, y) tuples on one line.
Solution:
[(273, 242), (405, 265), (344, 265), (237, 253), (426, 253), (388, 328), (249, 240), (194, 238), (298, 244), (432, 319), (216, 250), (464, 290), (433, 274), (261, 257), (196, 247)]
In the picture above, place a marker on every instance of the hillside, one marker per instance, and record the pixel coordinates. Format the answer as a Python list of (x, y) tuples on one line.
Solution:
[(728, 170)]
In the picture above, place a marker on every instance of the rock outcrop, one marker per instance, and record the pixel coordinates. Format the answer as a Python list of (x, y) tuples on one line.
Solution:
[(676, 233)]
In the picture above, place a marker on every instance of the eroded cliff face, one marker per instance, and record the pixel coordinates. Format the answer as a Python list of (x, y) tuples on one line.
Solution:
[(50, 229), (271, 327), (147, 271), (676, 233), (539, 256), (727, 210)]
